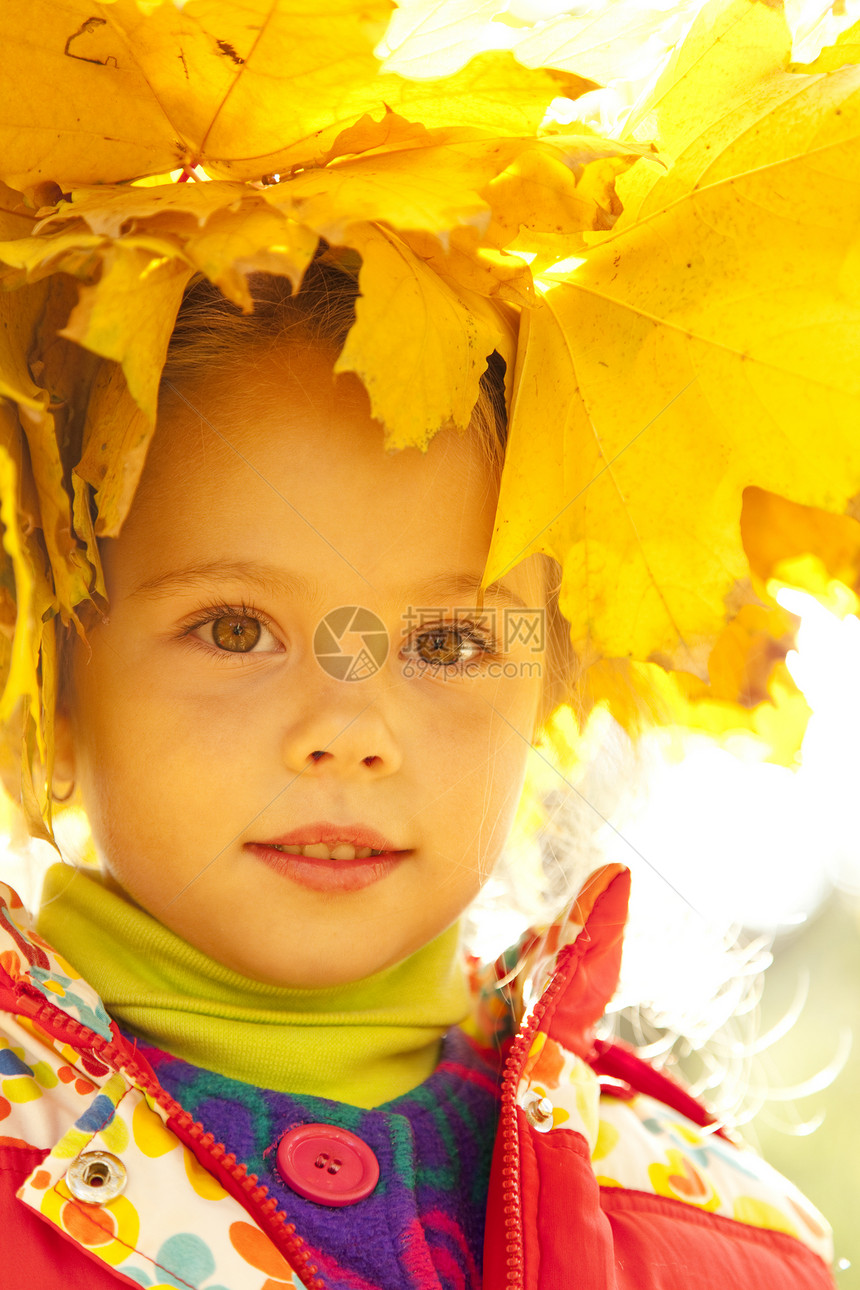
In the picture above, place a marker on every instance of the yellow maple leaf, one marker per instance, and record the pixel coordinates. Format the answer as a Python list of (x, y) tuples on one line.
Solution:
[(223, 229), (599, 42), (443, 339), (641, 696), (481, 269), (116, 438), (27, 702), (547, 197), (733, 53), (430, 188), (436, 187), (129, 316), (23, 316), (706, 344), (845, 49), (442, 36), (242, 91), (802, 546)]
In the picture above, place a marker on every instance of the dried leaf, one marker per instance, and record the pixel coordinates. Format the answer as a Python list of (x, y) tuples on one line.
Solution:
[(704, 348), (129, 316), (480, 269), (240, 90), (845, 49), (800, 545), (433, 378), (116, 440), (728, 63)]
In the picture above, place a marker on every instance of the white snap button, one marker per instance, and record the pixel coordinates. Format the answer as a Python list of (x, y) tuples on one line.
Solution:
[(539, 1112), (96, 1177)]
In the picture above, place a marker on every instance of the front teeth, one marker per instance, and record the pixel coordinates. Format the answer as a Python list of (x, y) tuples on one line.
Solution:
[(319, 851)]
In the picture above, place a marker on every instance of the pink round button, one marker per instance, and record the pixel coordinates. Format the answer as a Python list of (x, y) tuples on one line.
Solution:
[(326, 1164)]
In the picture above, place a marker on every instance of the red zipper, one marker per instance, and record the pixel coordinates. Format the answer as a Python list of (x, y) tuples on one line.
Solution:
[(272, 1220), (512, 1205)]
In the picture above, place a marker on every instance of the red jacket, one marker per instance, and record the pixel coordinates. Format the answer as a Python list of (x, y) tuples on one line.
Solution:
[(604, 1174)]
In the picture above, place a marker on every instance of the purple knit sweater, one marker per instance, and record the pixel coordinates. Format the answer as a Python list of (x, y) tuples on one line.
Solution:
[(423, 1225)]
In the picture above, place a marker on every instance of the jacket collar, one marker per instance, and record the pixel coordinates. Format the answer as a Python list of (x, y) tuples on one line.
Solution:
[(38, 971)]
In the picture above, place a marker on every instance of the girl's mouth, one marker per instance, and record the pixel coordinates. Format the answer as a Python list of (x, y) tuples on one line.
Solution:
[(321, 868), (319, 851)]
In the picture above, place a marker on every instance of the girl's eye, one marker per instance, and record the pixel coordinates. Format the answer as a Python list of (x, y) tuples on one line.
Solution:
[(448, 647), (235, 632)]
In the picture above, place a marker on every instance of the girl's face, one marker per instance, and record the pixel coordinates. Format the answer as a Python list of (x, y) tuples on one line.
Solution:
[(207, 721)]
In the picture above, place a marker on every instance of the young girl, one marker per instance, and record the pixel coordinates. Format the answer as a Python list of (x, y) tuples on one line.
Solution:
[(252, 1058)]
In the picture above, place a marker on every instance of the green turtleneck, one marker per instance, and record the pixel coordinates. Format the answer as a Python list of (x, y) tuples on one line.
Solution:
[(364, 1042)]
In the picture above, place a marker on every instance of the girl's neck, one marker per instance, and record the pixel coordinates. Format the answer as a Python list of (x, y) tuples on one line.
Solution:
[(364, 1042)]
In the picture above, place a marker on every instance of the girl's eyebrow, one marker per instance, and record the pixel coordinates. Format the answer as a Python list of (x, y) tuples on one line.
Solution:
[(463, 585), (274, 580), (267, 578)]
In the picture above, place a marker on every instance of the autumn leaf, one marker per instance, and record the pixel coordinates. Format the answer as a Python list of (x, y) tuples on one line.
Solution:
[(485, 270), (129, 317), (115, 442), (845, 49), (601, 43), (749, 691), (435, 186), (439, 35), (225, 230), (22, 316), (432, 188), (112, 210), (708, 343), (642, 696), (242, 91), (17, 579), (731, 52), (731, 58), (606, 43), (549, 198), (802, 546), (161, 82), (21, 709), (443, 338)]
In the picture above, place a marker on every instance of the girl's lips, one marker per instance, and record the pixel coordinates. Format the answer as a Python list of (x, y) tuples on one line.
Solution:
[(322, 831), (328, 875)]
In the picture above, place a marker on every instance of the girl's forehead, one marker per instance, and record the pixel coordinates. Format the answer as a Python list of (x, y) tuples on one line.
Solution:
[(285, 409), (279, 461)]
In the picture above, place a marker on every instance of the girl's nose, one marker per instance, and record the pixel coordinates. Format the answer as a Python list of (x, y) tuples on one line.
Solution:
[(346, 738)]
